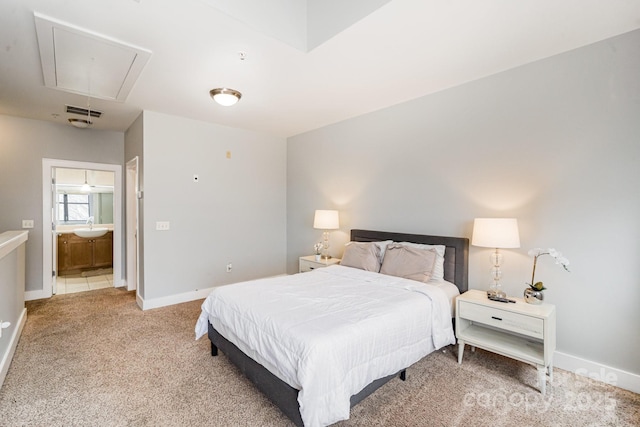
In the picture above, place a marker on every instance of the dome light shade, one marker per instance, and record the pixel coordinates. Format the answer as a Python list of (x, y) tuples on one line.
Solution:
[(80, 123), (225, 96)]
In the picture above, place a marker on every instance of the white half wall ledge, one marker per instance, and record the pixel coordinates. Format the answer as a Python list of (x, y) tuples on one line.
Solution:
[(597, 371), (13, 344), (10, 240)]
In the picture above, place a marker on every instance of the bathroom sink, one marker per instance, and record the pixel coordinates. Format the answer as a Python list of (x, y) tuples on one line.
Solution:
[(90, 232)]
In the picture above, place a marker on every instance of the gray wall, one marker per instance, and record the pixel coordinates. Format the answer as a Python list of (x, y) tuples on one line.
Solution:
[(326, 18), (235, 213), (555, 143), (23, 145)]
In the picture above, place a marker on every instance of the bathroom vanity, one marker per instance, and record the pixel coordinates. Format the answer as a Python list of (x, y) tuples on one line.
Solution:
[(77, 254)]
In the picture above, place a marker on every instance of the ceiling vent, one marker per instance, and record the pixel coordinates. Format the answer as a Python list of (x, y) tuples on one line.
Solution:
[(80, 61), (83, 111)]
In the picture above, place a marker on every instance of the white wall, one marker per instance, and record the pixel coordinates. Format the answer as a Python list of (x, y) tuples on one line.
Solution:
[(23, 145), (555, 143), (235, 213)]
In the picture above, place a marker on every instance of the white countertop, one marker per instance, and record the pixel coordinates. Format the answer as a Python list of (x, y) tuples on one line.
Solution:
[(69, 228)]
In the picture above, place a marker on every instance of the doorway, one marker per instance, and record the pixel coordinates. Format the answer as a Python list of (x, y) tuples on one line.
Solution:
[(83, 203), (50, 204)]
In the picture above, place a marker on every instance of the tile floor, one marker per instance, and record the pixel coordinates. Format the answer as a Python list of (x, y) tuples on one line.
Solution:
[(76, 283)]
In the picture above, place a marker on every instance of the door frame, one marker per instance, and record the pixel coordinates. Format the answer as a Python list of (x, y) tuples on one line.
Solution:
[(48, 225), (132, 189)]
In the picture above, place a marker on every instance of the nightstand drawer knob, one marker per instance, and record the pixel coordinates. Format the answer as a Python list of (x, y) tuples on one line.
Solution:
[(497, 318)]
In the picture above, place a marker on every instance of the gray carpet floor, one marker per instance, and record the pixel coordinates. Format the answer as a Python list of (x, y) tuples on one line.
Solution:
[(95, 359)]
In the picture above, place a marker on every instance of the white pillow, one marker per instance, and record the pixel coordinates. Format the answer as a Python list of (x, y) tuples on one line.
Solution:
[(438, 268)]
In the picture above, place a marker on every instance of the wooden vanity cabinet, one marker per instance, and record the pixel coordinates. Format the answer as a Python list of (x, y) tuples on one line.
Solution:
[(78, 253), (103, 250)]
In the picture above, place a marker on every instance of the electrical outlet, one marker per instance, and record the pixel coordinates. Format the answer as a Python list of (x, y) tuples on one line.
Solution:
[(162, 225), (229, 267), (3, 325), (27, 223)]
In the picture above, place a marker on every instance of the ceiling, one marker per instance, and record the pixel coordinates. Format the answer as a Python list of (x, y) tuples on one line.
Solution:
[(371, 59)]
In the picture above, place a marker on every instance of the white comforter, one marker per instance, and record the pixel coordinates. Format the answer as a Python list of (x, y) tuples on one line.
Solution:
[(330, 332)]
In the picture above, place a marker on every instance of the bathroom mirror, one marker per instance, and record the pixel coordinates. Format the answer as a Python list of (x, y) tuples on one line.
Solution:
[(83, 194)]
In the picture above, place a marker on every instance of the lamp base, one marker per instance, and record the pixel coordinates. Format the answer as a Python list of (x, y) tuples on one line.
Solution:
[(496, 291), (500, 294)]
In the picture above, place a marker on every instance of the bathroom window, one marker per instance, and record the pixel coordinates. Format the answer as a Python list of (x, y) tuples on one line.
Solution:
[(73, 208)]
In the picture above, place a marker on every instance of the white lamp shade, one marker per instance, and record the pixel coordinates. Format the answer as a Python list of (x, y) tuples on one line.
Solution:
[(496, 233), (326, 220)]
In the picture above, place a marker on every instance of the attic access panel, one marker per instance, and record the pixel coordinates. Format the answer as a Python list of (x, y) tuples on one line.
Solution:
[(79, 61)]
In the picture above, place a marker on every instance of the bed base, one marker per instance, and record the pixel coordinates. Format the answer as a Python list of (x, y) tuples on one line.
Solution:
[(280, 393)]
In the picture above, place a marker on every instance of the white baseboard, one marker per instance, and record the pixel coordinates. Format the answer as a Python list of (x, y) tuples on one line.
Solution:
[(33, 295), (179, 298), (147, 304), (13, 343), (597, 371)]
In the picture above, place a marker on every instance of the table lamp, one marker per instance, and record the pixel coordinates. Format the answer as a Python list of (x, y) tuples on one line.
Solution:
[(326, 220), (498, 233)]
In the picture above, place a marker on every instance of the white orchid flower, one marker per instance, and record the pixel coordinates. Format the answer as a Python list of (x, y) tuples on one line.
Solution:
[(535, 252), (563, 261)]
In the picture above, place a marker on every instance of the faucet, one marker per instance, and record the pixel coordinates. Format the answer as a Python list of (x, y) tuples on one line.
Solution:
[(90, 222)]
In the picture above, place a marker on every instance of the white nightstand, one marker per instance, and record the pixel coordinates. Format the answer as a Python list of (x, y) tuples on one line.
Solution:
[(308, 263), (521, 331)]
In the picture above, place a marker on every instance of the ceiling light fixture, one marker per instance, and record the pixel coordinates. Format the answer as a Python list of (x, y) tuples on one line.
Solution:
[(85, 187), (225, 96), (80, 123)]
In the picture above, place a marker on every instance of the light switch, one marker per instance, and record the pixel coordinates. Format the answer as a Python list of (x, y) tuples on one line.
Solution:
[(162, 225), (27, 223)]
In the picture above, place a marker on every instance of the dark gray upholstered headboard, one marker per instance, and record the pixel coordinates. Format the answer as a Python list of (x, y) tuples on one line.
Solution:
[(456, 256)]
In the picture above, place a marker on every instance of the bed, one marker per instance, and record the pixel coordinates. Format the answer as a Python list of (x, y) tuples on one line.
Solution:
[(299, 377)]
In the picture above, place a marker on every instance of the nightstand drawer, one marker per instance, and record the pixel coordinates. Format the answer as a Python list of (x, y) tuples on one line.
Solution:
[(307, 265), (503, 319)]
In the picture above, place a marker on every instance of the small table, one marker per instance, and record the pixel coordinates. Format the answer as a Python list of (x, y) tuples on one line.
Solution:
[(521, 331), (308, 263)]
